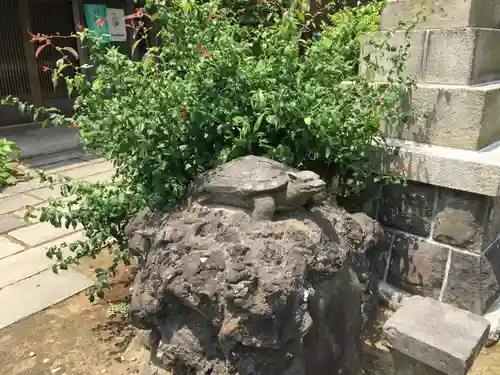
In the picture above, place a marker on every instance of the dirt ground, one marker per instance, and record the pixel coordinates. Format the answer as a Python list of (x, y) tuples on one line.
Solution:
[(76, 337)]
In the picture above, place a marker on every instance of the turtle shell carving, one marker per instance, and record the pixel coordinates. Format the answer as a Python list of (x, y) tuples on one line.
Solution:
[(257, 183)]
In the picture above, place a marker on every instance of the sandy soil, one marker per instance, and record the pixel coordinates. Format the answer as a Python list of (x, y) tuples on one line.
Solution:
[(74, 336)]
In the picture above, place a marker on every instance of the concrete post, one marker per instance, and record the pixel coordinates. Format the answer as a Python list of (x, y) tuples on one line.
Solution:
[(428, 337), (444, 225)]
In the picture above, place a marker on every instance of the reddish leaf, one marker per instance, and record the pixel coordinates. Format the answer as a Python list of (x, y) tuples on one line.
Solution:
[(40, 49)]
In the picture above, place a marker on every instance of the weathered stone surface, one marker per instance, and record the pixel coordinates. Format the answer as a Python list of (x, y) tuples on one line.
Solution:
[(380, 261), (492, 225), (324, 307), (463, 117), (227, 299), (406, 365), (460, 56), (454, 13), (259, 184), (47, 192), (460, 218), (39, 233), (29, 262), (408, 208), (466, 170), (8, 247), (39, 292), (103, 177), (417, 265), (88, 169), (447, 339), (16, 202), (22, 187), (490, 265), (473, 280), (10, 222)]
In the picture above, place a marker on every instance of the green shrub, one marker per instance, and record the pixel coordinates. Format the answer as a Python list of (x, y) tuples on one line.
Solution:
[(8, 150), (348, 25), (213, 91)]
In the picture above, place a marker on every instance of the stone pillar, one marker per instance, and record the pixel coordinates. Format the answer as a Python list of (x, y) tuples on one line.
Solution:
[(445, 225), (431, 338)]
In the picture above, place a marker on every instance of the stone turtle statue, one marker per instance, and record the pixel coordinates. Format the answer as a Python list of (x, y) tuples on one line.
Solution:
[(257, 183)]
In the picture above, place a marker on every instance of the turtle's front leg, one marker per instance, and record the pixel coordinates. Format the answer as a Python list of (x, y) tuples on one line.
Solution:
[(263, 208)]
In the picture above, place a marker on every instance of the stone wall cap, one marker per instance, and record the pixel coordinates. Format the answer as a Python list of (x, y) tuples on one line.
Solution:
[(442, 336), (475, 171)]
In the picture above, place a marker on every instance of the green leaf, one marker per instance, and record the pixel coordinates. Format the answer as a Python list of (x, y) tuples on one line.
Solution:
[(55, 78), (134, 46), (257, 124), (69, 86), (308, 120), (72, 51), (273, 120)]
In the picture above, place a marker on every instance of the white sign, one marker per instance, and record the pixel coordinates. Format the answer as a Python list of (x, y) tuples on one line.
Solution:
[(116, 25)]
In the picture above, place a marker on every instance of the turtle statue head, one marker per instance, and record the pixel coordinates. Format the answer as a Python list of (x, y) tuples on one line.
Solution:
[(304, 185)]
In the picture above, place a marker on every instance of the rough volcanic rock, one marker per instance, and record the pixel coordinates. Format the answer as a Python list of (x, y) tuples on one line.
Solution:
[(222, 297)]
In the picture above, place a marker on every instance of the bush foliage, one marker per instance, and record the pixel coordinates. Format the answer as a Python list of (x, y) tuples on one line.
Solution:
[(216, 89), (8, 150)]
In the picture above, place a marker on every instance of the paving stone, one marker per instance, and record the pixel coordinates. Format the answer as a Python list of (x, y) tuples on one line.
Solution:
[(87, 170), (35, 141), (34, 210), (39, 233), (75, 163), (7, 247), (10, 222), (100, 178), (460, 218), (37, 293), (437, 335), (408, 208), (23, 187), (46, 192), (16, 202), (417, 265), (473, 280), (30, 262), (45, 161)]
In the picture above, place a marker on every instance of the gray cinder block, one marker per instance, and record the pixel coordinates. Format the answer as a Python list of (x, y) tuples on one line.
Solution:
[(447, 13), (459, 56), (429, 337)]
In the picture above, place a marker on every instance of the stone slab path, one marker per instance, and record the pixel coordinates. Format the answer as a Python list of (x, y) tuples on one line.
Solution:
[(27, 284)]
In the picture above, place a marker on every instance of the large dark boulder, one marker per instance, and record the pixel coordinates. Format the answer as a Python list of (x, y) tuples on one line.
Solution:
[(223, 297)]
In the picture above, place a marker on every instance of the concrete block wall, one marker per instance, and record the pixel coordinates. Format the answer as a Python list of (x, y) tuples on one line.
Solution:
[(459, 56), (444, 225), (443, 243), (465, 117)]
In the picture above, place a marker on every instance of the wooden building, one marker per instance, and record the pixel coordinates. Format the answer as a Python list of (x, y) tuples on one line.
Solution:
[(21, 74)]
